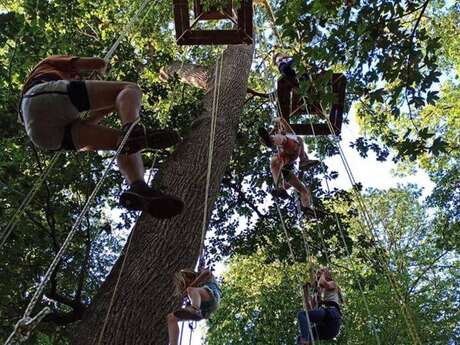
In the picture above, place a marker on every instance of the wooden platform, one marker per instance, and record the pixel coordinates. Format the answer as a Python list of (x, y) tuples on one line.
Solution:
[(187, 34), (292, 104)]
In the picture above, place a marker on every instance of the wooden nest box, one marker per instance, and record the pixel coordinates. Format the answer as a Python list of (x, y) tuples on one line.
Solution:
[(291, 103), (187, 32)]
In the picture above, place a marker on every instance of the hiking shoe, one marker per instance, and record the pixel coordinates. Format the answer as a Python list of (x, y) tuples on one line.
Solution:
[(265, 136), (141, 197), (140, 138), (307, 164), (280, 193), (189, 313)]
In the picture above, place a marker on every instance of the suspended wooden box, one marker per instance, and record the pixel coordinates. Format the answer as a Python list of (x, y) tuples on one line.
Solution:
[(292, 104), (187, 32)]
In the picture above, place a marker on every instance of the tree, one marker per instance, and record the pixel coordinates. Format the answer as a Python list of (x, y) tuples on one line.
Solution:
[(262, 297), (160, 248), (376, 43)]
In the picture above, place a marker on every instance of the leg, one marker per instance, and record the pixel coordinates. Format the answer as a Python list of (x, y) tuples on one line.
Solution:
[(305, 195), (105, 97), (275, 166), (307, 324), (304, 162), (173, 329)]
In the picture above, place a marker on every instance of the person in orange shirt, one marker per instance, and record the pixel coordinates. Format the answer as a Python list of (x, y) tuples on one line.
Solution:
[(53, 98)]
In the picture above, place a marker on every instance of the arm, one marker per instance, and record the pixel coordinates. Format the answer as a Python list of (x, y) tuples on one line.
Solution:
[(328, 285), (86, 64), (204, 276)]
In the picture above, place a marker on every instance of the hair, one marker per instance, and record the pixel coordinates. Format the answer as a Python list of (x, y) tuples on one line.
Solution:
[(278, 56), (183, 279), (282, 125)]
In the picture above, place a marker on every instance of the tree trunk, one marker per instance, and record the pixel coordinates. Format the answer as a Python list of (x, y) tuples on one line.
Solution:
[(159, 248)]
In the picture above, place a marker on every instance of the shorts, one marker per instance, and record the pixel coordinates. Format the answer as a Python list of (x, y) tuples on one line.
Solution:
[(208, 307), (50, 110)]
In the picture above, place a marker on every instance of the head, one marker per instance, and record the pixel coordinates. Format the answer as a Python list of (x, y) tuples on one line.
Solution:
[(278, 57), (183, 279), (324, 271)]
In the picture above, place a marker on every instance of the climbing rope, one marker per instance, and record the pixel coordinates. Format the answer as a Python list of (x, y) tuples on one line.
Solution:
[(26, 325), (371, 227), (212, 134), (22, 323), (275, 100), (373, 327), (125, 257), (39, 181)]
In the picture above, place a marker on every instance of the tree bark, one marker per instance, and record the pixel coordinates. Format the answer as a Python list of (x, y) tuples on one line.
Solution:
[(159, 248)]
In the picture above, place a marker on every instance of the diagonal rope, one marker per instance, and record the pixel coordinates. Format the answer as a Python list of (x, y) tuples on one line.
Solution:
[(212, 134), (125, 257), (39, 291), (371, 317), (27, 200), (371, 227), (39, 181)]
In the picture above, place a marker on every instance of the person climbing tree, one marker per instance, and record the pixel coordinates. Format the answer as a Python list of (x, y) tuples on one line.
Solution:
[(285, 66), (324, 309), (290, 147), (53, 97), (203, 293)]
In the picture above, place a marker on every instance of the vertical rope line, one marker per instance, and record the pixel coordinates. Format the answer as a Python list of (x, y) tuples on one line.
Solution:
[(181, 332), (214, 113), (299, 280)]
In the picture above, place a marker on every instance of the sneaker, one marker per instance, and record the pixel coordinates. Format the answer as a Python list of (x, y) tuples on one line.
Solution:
[(280, 193), (265, 136), (141, 139), (189, 313), (307, 164), (141, 197)]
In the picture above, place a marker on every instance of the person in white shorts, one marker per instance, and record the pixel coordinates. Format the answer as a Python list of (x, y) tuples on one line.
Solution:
[(53, 98)]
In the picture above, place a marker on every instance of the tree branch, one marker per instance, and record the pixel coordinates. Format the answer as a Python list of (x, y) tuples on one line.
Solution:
[(191, 74), (62, 319), (242, 197)]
